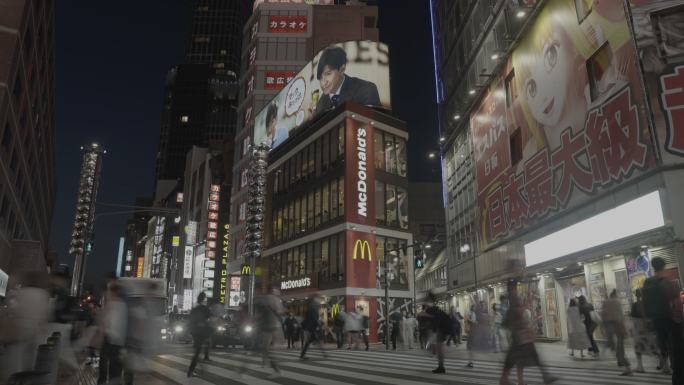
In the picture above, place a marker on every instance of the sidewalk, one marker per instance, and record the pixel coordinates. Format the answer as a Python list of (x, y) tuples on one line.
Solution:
[(551, 353)]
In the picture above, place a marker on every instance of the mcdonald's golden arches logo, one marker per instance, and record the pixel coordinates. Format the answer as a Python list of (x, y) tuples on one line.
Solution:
[(364, 248), (246, 270), (335, 309)]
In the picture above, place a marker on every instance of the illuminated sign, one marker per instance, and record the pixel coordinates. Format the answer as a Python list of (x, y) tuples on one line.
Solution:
[(235, 283), (361, 249), (175, 241), (224, 263), (361, 185), (129, 255), (141, 266), (276, 80), (287, 24), (179, 197), (296, 284), (335, 309), (187, 299), (187, 262), (611, 225), (213, 206), (246, 270)]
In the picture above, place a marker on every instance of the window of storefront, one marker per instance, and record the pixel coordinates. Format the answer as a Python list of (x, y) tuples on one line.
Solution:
[(398, 259)]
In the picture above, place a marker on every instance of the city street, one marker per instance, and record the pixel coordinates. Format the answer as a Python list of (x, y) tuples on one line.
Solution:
[(360, 367)]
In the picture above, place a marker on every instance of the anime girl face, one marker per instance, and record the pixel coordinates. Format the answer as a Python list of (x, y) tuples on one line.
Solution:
[(549, 79)]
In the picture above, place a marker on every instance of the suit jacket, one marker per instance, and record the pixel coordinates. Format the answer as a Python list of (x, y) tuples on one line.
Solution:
[(353, 89)]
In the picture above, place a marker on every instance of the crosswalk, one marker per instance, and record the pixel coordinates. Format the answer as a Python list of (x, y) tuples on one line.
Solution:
[(361, 367)]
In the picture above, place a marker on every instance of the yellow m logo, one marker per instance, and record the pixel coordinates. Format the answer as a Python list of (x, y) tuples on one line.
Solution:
[(246, 270), (335, 309), (362, 246)]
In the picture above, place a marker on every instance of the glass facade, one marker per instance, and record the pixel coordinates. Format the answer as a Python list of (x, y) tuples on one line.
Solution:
[(390, 153), (323, 257), (398, 258)]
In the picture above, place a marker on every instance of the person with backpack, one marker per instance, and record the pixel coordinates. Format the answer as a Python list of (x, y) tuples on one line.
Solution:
[(663, 307), (200, 330), (338, 327), (441, 328)]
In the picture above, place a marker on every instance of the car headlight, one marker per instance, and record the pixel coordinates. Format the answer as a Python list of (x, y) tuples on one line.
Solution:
[(248, 328), (221, 329), (163, 331), (178, 329)]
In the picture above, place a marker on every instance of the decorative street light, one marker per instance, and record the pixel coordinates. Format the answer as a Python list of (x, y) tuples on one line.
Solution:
[(255, 208)]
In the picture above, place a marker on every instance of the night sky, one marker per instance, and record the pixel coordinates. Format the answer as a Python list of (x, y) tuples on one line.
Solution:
[(111, 62)]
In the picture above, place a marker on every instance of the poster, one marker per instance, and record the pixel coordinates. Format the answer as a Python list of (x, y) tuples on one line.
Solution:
[(562, 122)]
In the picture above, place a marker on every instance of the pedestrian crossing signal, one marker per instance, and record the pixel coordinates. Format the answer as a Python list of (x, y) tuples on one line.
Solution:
[(420, 263)]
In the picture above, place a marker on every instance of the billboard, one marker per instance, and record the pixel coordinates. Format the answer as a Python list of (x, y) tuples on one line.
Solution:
[(360, 175), (351, 71), (310, 2), (658, 34), (563, 121), (287, 24)]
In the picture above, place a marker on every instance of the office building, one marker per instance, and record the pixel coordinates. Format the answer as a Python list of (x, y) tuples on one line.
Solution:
[(27, 134)]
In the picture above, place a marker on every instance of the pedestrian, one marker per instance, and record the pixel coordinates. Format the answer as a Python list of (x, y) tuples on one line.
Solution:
[(291, 327), (663, 307), (26, 314), (114, 325), (200, 330), (395, 328), (475, 330), (522, 352), (268, 310), (614, 325), (311, 325), (591, 321), (338, 327), (365, 327), (352, 326), (497, 330), (408, 330), (423, 328), (577, 334), (645, 339), (441, 327)]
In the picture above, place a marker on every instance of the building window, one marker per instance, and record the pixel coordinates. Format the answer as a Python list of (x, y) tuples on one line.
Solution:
[(379, 154), (511, 91), (601, 72), (400, 146), (380, 203), (402, 206), (391, 206), (515, 142)]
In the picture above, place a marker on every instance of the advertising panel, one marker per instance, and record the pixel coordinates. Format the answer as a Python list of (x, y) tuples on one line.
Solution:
[(563, 122), (658, 26), (361, 259), (141, 266), (187, 262), (351, 71), (360, 174), (276, 80), (287, 24)]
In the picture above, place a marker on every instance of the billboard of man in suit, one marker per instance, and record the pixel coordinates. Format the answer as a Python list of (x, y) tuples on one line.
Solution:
[(337, 87)]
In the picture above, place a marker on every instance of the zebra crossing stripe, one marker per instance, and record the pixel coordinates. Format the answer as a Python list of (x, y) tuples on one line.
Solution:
[(233, 375), (175, 374)]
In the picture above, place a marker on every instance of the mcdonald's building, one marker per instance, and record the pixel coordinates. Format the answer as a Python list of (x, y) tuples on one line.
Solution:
[(338, 198)]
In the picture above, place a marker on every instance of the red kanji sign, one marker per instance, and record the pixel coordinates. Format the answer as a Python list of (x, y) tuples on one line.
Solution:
[(673, 103), (287, 24), (276, 80)]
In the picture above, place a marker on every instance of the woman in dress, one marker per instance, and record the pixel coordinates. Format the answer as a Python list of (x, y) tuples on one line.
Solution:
[(645, 341), (577, 334)]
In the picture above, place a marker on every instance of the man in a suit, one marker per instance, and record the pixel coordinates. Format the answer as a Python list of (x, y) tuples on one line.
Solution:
[(338, 87)]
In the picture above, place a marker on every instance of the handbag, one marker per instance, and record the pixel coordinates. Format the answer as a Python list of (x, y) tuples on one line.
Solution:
[(595, 318)]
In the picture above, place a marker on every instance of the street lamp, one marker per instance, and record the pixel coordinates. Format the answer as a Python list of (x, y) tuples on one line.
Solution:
[(255, 207)]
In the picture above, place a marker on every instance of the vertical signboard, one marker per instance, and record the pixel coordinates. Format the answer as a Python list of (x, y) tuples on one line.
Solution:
[(234, 293), (360, 173), (187, 299), (141, 266), (361, 259), (212, 222), (221, 284), (187, 262)]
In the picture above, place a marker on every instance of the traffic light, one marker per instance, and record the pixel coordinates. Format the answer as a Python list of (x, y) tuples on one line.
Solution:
[(419, 256), (89, 247), (419, 263)]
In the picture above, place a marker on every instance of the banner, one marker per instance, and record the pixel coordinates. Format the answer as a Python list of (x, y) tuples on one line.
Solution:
[(187, 262), (352, 71), (563, 120), (658, 35)]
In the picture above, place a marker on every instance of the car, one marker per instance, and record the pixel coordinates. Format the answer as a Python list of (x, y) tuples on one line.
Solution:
[(227, 331), (178, 330)]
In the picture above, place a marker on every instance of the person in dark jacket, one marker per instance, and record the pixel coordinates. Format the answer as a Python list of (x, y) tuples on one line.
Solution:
[(200, 330), (311, 324), (291, 331), (586, 309), (441, 328)]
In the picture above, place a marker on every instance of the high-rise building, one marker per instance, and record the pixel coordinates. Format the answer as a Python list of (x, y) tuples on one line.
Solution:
[(563, 150), (81, 244), (200, 98), (27, 134)]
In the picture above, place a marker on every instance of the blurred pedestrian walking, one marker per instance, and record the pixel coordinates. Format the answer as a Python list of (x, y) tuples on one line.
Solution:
[(645, 339), (498, 336), (200, 329), (352, 327), (311, 325), (577, 333), (268, 310), (338, 327), (291, 331), (614, 325), (408, 330), (591, 321), (114, 326), (441, 327), (395, 328), (663, 307)]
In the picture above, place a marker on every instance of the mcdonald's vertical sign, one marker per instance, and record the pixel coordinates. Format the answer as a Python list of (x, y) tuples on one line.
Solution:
[(360, 172), (361, 259)]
